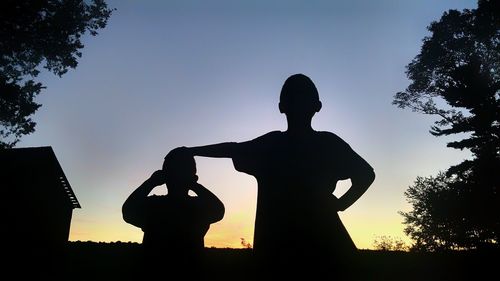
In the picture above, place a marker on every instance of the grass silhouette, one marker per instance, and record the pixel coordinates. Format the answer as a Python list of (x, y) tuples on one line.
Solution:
[(119, 261)]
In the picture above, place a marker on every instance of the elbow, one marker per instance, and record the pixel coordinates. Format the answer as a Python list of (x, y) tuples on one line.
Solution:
[(133, 213), (219, 213), (130, 219), (364, 179), (127, 214), (370, 178), (127, 219)]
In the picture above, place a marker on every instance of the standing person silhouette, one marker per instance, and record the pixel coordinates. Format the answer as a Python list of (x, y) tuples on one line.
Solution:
[(297, 228), (175, 224)]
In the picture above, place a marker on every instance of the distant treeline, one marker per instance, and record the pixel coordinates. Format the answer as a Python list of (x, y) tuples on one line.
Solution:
[(121, 260)]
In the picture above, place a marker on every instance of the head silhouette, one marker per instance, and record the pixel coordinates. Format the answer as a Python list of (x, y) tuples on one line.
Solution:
[(299, 97), (180, 170)]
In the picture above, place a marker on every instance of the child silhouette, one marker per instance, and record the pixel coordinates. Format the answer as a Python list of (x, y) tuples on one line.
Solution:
[(175, 224), (297, 227)]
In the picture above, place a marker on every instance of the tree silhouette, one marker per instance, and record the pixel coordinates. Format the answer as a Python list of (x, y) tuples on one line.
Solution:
[(34, 33), (389, 243), (436, 214), (456, 76), (245, 243)]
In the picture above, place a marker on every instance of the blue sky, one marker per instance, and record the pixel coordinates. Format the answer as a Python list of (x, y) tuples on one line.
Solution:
[(164, 74)]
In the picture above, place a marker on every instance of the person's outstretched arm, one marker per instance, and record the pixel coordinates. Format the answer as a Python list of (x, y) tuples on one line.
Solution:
[(220, 150), (133, 209), (212, 206), (361, 178)]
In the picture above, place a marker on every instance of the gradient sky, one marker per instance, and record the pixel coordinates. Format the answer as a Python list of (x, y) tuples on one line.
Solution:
[(165, 74)]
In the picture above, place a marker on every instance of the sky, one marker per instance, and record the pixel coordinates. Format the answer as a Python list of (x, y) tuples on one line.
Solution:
[(165, 74)]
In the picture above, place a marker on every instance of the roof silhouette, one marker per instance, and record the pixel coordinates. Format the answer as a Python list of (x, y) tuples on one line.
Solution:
[(41, 161)]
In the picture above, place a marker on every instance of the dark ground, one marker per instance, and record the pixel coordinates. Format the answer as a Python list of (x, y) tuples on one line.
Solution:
[(119, 261)]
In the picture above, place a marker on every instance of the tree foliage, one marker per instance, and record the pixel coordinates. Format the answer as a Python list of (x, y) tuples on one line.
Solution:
[(456, 77), (37, 34), (437, 215), (389, 243)]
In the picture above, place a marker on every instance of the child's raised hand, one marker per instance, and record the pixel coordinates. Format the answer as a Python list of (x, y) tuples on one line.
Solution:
[(158, 178)]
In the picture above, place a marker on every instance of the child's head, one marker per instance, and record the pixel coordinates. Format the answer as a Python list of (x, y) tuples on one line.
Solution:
[(180, 168), (299, 96)]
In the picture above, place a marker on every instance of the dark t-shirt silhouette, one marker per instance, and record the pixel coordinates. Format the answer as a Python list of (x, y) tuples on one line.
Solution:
[(296, 176), (175, 224), (297, 226)]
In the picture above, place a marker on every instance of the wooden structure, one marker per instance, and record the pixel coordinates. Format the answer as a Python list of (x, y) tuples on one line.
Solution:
[(36, 200)]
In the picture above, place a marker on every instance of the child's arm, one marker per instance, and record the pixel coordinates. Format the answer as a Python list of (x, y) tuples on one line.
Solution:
[(359, 184), (220, 150), (133, 208), (362, 176), (213, 207)]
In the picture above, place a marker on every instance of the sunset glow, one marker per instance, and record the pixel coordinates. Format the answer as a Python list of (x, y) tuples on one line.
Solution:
[(165, 74)]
